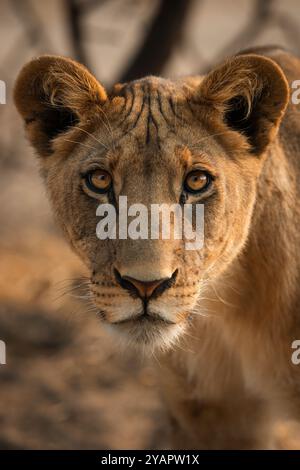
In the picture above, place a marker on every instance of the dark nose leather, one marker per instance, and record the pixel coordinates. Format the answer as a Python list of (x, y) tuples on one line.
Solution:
[(145, 289)]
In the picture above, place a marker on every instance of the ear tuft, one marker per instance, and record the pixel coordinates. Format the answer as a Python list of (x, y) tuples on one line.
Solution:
[(53, 94), (250, 93)]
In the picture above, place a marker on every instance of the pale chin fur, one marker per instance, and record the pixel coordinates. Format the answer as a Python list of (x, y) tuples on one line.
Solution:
[(147, 338)]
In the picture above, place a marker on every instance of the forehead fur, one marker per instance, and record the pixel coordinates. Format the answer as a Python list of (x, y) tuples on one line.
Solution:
[(153, 108)]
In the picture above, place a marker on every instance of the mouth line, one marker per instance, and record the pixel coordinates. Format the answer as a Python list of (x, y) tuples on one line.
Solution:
[(143, 318)]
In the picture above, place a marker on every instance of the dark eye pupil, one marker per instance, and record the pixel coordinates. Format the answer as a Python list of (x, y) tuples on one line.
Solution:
[(98, 181), (197, 181), (100, 178)]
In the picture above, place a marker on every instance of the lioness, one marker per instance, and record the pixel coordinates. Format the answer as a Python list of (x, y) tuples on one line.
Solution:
[(226, 314)]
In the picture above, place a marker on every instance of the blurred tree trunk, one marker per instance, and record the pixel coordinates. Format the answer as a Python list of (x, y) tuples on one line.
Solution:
[(74, 11), (164, 34)]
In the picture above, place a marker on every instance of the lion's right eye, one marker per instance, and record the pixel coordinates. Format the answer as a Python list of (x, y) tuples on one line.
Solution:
[(98, 181), (197, 181)]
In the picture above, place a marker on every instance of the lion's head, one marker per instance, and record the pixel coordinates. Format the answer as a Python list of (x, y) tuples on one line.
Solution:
[(196, 140)]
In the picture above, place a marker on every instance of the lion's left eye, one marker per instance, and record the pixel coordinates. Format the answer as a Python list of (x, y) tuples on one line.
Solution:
[(98, 181), (196, 181)]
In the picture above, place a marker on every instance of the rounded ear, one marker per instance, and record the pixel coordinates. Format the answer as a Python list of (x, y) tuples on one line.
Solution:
[(250, 93), (52, 94)]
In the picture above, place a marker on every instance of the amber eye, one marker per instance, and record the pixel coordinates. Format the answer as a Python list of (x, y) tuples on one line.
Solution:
[(196, 181), (98, 181)]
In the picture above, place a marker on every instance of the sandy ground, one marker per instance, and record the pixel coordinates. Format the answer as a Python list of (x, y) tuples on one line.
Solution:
[(65, 385)]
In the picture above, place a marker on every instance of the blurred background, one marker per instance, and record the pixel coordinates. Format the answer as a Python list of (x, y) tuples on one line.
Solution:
[(65, 385)]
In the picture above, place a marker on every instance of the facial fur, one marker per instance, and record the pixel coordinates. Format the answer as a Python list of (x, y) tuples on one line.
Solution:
[(148, 135)]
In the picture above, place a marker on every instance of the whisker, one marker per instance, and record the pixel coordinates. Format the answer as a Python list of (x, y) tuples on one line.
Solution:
[(176, 345), (68, 286), (220, 298), (80, 143), (108, 126), (155, 357), (91, 135), (203, 312)]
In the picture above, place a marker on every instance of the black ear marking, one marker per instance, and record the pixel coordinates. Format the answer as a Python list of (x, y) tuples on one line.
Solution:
[(239, 119), (55, 121), (250, 94), (53, 94)]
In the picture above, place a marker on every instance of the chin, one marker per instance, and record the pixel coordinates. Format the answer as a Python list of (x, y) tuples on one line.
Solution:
[(148, 335)]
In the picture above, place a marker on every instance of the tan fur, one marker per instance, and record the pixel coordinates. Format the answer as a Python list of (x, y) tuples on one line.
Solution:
[(228, 381)]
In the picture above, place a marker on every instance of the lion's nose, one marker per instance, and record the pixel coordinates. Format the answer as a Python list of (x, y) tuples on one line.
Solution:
[(145, 289)]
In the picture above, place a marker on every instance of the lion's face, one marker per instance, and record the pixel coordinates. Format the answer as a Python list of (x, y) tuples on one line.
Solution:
[(155, 142), (148, 176)]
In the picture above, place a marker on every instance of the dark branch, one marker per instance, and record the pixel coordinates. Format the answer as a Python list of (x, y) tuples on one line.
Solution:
[(74, 13), (163, 36)]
